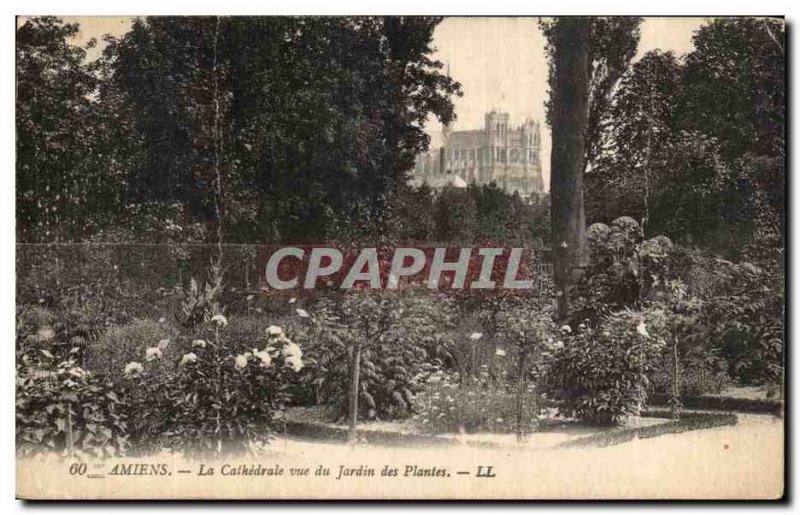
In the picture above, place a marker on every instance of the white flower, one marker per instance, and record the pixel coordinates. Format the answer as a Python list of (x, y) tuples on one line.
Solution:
[(188, 358), (558, 345), (46, 334), (500, 352), (76, 372), (241, 361), (264, 356), (302, 313), (162, 320), (199, 343), (274, 331), (219, 320), (292, 350), (641, 329), (566, 328), (295, 363), (152, 353), (476, 336), (133, 368)]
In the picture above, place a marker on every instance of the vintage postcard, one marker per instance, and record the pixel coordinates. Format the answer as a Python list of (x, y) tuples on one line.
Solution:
[(383, 257)]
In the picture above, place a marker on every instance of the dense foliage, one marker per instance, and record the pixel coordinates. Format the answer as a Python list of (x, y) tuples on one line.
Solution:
[(217, 396), (259, 121), (447, 405), (601, 374), (694, 146), (190, 134), (61, 406), (722, 321)]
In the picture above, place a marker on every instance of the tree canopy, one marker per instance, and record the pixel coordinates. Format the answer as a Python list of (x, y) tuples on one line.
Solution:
[(285, 124)]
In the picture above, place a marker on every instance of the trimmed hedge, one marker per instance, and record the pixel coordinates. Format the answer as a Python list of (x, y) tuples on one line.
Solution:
[(712, 402), (689, 422), (317, 431)]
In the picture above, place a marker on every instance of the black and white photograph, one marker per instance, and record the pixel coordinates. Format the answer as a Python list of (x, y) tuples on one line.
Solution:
[(428, 257)]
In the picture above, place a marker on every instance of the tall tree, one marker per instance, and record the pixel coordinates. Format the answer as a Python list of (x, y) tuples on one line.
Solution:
[(570, 98), (736, 85), (639, 131), (315, 116), (694, 147), (613, 41), (58, 136)]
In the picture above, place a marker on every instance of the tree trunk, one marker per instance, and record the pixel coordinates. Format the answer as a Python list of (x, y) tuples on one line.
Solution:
[(355, 368), (520, 396), (675, 396), (570, 114)]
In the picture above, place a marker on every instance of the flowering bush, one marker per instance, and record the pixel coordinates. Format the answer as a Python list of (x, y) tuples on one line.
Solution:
[(624, 269), (218, 396), (600, 375), (121, 344), (62, 407), (445, 406)]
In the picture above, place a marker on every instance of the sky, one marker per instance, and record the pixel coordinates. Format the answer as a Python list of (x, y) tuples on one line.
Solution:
[(499, 61)]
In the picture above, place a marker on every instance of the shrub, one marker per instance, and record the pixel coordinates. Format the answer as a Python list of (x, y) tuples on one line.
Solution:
[(62, 407), (400, 336), (696, 376), (746, 320), (35, 328), (445, 406), (737, 309), (122, 344), (624, 270), (218, 397), (60, 330), (600, 376)]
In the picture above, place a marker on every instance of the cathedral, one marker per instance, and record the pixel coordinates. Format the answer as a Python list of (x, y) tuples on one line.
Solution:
[(499, 153)]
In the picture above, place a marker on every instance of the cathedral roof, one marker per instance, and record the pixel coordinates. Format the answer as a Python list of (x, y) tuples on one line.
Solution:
[(465, 139)]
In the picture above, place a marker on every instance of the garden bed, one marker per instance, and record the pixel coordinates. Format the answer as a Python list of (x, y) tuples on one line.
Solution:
[(555, 433), (311, 423)]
